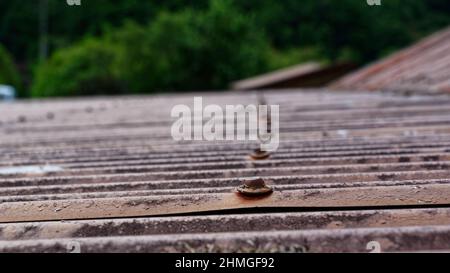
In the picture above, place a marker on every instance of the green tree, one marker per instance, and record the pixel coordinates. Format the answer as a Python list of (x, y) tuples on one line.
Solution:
[(190, 50), (8, 71), (67, 25), (186, 50), (83, 69), (347, 28)]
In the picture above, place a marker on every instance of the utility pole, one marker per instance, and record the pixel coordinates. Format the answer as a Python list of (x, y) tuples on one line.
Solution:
[(43, 30)]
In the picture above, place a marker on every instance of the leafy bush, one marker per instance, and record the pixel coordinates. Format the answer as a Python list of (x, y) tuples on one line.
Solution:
[(187, 50), (8, 71), (84, 69), (191, 50)]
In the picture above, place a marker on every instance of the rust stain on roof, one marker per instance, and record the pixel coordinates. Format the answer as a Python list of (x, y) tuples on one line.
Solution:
[(373, 166)]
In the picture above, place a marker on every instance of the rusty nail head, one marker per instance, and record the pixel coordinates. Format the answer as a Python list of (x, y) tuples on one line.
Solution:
[(255, 187), (259, 155)]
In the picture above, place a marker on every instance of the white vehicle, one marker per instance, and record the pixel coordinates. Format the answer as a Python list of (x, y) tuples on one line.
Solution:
[(7, 93)]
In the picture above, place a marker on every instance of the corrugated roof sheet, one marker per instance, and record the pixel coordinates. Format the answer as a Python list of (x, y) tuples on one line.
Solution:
[(423, 67), (351, 168)]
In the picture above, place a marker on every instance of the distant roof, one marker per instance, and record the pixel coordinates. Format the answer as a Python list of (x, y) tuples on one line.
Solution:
[(425, 66), (352, 167), (276, 76), (310, 74)]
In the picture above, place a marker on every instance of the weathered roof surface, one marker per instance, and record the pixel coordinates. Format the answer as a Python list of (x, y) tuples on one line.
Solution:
[(351, 168), (424, 67), (303, 75)]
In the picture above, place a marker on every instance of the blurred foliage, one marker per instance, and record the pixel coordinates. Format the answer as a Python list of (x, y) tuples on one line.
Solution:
[(84, 69), (202, 44), (8, 71), (177, 51), (340, 26), (283, 58)]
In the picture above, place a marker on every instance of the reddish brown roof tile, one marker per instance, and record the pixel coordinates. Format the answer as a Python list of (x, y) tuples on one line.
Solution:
[(423, 67)]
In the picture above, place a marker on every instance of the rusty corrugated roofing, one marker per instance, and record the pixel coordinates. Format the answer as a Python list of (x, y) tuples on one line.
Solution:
[(423, 67), (351, 168)]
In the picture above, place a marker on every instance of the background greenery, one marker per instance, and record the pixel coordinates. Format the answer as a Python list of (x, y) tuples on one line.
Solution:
[(8, 72), (134, 46)]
